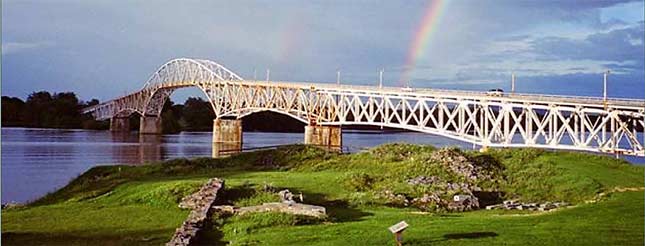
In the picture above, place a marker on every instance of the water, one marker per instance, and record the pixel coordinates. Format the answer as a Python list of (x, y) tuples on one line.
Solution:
[(37, 161)]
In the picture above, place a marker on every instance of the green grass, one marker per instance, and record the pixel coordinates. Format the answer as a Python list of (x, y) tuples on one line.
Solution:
[(87, 223), (125, 205), (610, 223)]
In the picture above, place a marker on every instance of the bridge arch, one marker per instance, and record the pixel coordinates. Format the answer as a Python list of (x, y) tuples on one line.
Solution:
[(180, 73)]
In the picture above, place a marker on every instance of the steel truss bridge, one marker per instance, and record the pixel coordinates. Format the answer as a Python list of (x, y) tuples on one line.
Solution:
[(508, 120)]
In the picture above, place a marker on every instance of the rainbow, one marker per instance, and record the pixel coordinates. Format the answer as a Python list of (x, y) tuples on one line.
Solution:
[(422, 36)]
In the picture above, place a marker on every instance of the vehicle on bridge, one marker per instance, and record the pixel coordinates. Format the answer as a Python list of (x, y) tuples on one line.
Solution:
[(495, 92), (407, 89)]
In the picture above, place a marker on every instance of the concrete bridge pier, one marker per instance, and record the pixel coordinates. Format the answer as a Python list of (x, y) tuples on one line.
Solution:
[(227, 137), (150, 124), (120, 124), (328, 137)]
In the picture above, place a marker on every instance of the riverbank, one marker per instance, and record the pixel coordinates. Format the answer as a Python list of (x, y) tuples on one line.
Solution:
[(127, 205)]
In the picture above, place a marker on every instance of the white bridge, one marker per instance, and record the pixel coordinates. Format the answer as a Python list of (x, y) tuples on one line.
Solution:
[(506, 120)]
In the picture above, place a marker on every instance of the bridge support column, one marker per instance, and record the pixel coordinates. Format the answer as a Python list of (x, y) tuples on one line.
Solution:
[(150, 125), (328, 137), (120, 124), (227, 137)]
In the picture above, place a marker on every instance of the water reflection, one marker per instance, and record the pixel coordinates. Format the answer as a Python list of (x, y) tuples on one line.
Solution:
[(150, 148)]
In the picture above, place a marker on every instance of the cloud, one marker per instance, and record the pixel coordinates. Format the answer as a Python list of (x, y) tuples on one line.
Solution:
[(18, 47), (105, 48), (617, 45)]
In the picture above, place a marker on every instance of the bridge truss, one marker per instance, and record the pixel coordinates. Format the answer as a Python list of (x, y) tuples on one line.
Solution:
[(513, 120)]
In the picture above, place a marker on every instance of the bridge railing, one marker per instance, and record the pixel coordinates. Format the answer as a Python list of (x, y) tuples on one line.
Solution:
[(464, 93), (413, 90)]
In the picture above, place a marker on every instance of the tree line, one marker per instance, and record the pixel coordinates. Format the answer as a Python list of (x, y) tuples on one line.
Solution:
[(46, 110), (63, 110)]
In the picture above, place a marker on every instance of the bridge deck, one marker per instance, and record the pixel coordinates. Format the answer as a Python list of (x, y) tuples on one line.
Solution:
[(466, 94)]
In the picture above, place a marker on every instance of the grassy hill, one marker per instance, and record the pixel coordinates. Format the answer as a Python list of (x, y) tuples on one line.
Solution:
[(128, 205)]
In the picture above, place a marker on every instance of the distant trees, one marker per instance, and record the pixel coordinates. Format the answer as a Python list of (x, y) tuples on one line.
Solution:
[(197, 114), (42, 109), (62, 110), (170, 115), (12, 111), (268, 121)]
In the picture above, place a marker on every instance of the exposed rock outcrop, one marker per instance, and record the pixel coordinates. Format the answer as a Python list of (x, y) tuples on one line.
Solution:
[(440, 192), (459, 164)]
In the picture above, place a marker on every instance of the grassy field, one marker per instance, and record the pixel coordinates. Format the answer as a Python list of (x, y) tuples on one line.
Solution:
[(126, 205)]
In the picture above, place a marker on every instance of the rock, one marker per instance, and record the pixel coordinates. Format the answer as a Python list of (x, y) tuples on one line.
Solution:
[(12, 205), (509, 202), (423, 180), (286, 196), (224, 209), (296, 208), (394, 199), (463, 203), (458, 163), (513, 204), (458, 198), (428, 201)]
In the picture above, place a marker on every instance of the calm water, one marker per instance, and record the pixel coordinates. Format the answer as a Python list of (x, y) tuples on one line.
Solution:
[(37, 161)]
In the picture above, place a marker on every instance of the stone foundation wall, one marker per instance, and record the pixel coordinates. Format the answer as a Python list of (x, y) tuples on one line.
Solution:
[(294, 208), (201, 203)]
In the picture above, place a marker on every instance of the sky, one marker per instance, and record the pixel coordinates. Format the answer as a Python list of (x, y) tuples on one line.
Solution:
[(104, 49)]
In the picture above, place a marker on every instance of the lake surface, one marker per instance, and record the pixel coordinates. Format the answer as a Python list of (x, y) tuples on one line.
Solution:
[(37, 161)]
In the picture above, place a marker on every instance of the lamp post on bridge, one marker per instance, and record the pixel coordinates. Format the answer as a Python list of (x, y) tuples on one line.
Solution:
[(513, 83), (268, 73), (380, 78), (338, 77)]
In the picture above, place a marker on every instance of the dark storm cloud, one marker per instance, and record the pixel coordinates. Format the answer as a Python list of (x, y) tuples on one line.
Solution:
[(616, 45)]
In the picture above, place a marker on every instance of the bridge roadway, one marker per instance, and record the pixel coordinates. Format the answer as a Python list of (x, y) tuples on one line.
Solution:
[(507, 120), (458, 94)]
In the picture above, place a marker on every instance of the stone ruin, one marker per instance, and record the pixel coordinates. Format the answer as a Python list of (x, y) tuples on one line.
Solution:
[(287, 205), (460, 164), (457, 163), (463, 203), (280, 207), (465, 191), (200, 203), (513, 204)]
